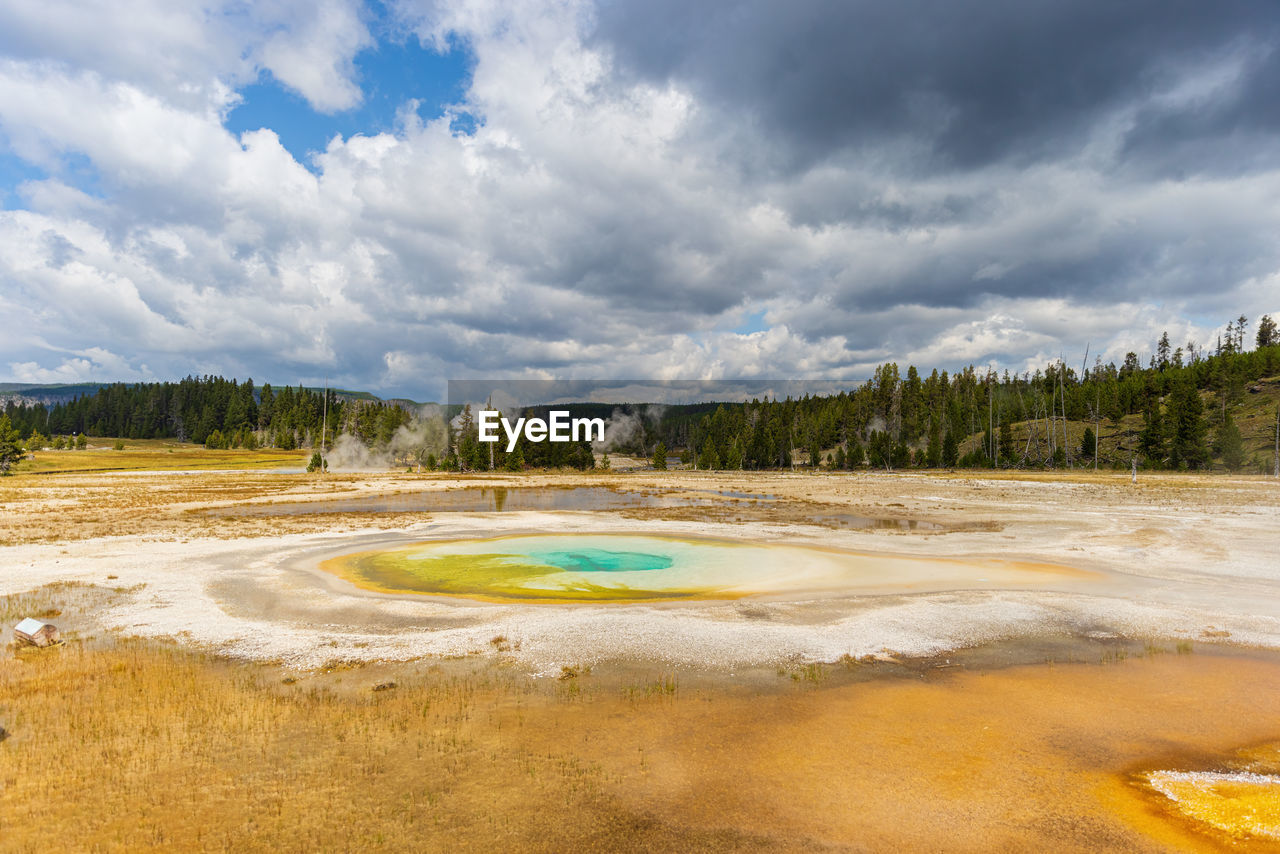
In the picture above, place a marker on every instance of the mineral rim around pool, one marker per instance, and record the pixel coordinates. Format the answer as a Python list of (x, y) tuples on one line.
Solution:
[(606, 567)]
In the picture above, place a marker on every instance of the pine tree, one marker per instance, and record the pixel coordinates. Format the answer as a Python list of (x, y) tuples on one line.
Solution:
[(950, 450), (855, 454), (1151, 441), (1087, 442), (10, 445), (660, 457), (933, 451), (1228, 445), (1006, 448), (879, 449), (1187, 445), (1267, 332), (733, 459), (477, 454), (472, 454), (900, 455)]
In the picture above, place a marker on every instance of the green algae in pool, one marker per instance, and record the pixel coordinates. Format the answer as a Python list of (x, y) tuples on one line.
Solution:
[(539, 568), (631, 567)]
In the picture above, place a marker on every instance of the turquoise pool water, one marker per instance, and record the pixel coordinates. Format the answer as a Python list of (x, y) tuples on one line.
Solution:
[(600, 560), (628, 567)]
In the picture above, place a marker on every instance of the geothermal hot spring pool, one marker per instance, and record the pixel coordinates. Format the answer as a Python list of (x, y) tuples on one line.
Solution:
[(620, 568), (1236, 799)]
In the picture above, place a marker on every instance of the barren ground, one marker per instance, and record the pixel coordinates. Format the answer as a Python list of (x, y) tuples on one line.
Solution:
[(218, 692)]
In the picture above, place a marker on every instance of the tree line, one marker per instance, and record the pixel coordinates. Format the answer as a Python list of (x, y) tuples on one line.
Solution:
[(210, 411), (467, 453), (1185, 400)]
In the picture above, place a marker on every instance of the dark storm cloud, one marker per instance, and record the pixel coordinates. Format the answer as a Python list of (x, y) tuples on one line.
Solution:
[(710, 189), (1117, 266), (972, 83), (1231, 132)]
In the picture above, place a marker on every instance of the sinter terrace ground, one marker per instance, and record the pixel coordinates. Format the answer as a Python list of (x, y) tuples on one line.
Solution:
[(217, 693)]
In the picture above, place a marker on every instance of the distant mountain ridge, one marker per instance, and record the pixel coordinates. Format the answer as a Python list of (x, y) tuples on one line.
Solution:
[(46, 393), (51, 393)]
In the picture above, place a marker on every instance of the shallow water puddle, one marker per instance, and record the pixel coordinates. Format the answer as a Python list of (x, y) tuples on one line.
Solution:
[(579, 498), (616, 567), (473, 500), (852, 520)]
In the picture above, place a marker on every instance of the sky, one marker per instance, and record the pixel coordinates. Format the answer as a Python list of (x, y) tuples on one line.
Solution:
[(389, 195)]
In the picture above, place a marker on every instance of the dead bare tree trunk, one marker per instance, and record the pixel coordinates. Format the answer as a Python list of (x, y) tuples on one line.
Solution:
[(324, 424), (991, 426), (1051, 438), (1031, 435), (1062, 382)]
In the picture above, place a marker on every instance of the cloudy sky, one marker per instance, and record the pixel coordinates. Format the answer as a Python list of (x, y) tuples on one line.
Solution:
[(390, 195)]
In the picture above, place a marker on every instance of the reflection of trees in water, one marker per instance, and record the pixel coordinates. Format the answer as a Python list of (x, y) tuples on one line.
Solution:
[(499, 497)]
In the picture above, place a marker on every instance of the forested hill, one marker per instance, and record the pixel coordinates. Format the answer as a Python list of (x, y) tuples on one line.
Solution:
[(46, 394), (1186, 408), (214, 411)]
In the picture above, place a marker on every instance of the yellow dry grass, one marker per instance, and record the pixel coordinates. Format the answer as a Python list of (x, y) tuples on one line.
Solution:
[(142, 746), (125, 745), (171, 505), (76, 506), (155, 455), (131, 745)]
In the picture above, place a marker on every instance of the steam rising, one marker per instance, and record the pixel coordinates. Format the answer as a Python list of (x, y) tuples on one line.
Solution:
[(350, 454), (620, 429), (412, 442)]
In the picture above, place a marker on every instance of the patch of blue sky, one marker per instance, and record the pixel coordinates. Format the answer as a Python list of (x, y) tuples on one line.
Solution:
[(396, 70), (14, 171), (79, 171), (71, 168), (752, 323)]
